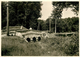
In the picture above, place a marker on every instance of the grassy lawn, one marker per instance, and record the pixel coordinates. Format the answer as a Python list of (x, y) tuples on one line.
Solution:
[(56, 46)]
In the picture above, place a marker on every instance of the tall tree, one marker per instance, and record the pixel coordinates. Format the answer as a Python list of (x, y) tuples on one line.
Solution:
[(66, 4), (23, 13), (32, 13), (57, 14), (59, 6), (3, 15), (41, 25)]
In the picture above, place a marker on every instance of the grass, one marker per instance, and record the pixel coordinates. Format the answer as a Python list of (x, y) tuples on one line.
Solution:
[(55, 46), (16, 46)]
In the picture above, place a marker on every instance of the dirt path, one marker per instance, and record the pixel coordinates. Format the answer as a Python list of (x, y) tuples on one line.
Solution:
[(52, 35), (3, 35)]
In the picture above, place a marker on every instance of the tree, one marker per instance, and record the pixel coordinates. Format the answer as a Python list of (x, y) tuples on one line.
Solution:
[(59, 6), (68, 24), (66, 4), (23, 13), (57, 14), (32, 13), (41, 25), (3, 14), (50, 24)]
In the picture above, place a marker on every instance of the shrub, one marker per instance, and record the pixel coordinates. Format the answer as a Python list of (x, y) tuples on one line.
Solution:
[(72, 48)]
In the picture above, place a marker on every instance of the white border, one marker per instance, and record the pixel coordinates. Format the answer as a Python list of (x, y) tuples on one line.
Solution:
[(38, 0)]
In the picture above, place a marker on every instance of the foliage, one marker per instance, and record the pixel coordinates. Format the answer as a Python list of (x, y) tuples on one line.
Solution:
[(42, 25), (3, 14), (67, 4), (52, 24), (57, 13), (68, 24), (72, 48), (65, 24), (59, 6), (23, 13)]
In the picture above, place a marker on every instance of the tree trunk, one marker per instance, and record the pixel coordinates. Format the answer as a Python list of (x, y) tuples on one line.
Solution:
[(7, 20), (49, 25), (55, 25), (38, 26)]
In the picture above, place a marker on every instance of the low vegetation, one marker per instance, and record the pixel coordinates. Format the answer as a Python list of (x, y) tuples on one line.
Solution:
[(56, 46)]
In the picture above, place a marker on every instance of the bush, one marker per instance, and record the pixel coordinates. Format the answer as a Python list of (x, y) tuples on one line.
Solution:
[(72, 48)]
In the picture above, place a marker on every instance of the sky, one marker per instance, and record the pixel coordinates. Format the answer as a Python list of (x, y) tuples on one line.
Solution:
[(47, 8)]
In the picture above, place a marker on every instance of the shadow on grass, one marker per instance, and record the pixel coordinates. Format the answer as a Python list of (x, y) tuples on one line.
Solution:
[(5, 52)]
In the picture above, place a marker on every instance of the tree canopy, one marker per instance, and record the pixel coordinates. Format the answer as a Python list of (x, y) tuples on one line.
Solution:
[(22, 13), (59, 6), (66, 4), (64, 24)]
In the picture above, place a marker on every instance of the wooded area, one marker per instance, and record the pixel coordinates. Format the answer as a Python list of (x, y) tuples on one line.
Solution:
[(27, 14), (21, 13)]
